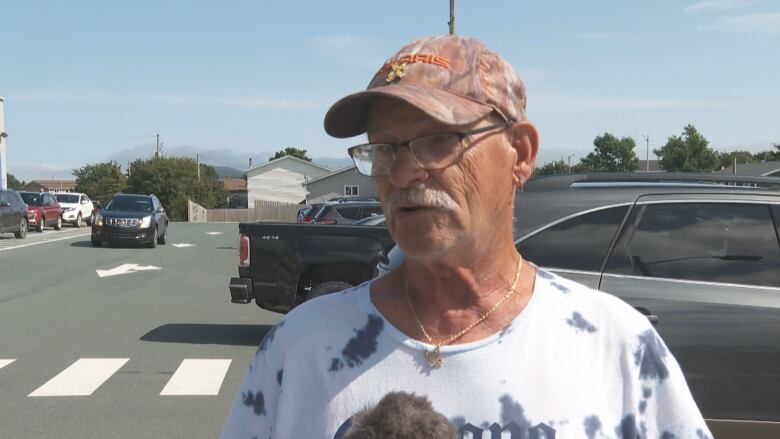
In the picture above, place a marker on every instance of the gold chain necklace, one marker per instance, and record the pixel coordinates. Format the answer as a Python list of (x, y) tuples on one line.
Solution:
[(433, 358)]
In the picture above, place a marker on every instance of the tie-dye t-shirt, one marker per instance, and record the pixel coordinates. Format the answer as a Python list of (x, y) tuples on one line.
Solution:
[(575, 363)]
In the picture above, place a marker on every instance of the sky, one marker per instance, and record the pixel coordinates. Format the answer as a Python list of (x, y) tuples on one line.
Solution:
[(86, 80)]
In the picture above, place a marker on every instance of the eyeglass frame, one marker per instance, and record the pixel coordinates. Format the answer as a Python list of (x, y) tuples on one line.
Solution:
[(461, 135)]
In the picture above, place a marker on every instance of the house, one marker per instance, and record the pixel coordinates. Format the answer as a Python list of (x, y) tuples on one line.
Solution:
[(236, 189), (346, 182), (50, 186), (282, 180), (754, 169)]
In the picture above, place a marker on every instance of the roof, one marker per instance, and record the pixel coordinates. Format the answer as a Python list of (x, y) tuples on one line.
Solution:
[(756, 169), (54, 184), (233, 184), (331, 174), (287, 157)]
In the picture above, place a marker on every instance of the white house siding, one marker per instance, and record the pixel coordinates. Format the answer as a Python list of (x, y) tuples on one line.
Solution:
[(280, 181), (331, 187)]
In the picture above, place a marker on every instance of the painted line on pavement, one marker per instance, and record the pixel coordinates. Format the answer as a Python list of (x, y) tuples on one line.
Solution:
[(44, 242), (213, 233), (81, 378), (197, 377), (125, 269), (4, 363), (183, 244)]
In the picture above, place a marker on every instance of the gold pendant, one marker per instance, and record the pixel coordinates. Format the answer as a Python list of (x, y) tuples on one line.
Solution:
[(434, 358)]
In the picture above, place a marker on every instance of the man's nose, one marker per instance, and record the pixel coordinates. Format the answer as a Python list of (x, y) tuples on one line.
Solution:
[(405, 171)]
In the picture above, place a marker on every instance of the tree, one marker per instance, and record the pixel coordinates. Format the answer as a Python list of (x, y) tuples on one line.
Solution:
[(553, 168), (611, 154), (769, 155), (293, 152), (688, 152), (726, 159), (175, 180), (14, 183), (100, 181)]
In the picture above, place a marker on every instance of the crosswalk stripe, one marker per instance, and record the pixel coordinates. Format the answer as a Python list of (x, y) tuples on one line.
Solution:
[(4, 363), (81, 378), (197, 377)]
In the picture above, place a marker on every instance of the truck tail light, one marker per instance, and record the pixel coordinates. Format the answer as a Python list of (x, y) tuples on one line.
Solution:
[(243, 250), (326, 222)]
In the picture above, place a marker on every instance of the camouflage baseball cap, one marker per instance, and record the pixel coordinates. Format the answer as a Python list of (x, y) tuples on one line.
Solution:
[(453, 79)]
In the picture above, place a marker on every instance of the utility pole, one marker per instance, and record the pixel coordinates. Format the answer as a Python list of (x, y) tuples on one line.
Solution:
[(452, 17), (570, 156), (157, 151), (197, 161), (3, 135)]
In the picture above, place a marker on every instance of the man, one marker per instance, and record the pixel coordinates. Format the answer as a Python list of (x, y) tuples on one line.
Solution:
[(494, 343)]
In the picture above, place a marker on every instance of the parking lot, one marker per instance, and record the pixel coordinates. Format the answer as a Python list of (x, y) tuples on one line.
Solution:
[(122, 342)]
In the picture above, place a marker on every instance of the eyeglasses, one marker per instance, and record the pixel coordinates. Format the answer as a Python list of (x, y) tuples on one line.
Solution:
[(436, 151)]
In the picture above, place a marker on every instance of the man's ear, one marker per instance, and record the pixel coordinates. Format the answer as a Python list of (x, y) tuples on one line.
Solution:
[(525, 140)]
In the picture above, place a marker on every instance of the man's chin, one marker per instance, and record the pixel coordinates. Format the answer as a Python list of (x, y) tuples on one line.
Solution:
[(421, 241)]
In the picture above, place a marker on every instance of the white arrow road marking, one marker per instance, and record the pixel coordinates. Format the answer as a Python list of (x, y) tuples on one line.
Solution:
[(213, 233), (184, 244), (4, 363), (81, 378), (197, 377), (126, 268)]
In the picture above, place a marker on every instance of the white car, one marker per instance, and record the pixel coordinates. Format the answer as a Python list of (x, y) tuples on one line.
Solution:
[(76, 208)]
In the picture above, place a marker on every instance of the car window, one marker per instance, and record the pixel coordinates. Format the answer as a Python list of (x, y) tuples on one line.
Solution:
[(716, 242), (67, 198), (32, 199), (579, 243), (3, 197), (349, 212)]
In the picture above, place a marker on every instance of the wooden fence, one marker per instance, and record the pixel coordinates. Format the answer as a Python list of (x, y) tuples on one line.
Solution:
[(269, 211)]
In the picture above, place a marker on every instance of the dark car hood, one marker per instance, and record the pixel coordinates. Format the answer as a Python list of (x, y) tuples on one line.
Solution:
[(123, 214)]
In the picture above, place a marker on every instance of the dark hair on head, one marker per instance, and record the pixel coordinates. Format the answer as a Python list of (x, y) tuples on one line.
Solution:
[(400, 415)]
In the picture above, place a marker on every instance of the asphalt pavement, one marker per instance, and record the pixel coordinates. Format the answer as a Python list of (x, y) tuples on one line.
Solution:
[(122, 342)]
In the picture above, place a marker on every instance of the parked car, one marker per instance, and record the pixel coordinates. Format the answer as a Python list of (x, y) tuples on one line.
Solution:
[(307, 214), (13, 213), (347, 212), (131, 218), (283, 265), (76, 207), (42, 210), (699, 255)]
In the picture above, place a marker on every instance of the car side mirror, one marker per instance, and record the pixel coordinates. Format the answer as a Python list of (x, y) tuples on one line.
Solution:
[(161, 210), (4, 204), (83, 201)]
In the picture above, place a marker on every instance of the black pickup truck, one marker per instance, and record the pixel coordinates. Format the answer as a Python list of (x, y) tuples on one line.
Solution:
[(283, 265)]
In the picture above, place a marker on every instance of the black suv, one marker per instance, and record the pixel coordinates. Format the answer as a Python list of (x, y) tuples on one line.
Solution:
[(131, 218), (13, 213), (699, 255), (347, 212)]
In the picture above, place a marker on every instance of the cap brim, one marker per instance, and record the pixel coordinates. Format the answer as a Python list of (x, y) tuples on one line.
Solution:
[(348, 116)]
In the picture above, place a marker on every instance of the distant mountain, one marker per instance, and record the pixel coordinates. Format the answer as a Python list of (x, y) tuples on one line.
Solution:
[(223, 158), (333, 163), (229, 171), (226, 162)]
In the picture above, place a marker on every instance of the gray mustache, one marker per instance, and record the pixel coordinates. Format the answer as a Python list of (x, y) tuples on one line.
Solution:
[(422, 197)]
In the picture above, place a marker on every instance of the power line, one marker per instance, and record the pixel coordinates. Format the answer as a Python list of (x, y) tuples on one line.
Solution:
[(81, 137)]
